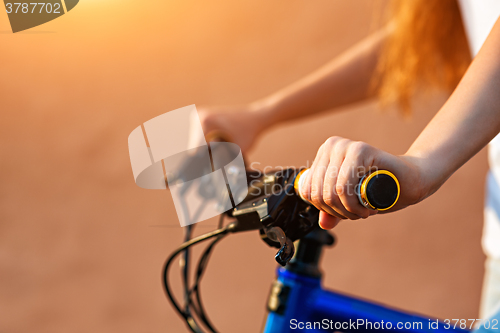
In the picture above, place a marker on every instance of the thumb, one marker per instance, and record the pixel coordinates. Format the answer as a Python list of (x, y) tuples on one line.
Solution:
[(327, 221)]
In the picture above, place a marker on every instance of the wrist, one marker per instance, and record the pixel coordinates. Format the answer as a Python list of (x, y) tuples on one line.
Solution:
[(430, 171)]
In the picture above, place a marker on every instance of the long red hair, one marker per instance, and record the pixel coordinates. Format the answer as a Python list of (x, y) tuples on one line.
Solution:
[(427, 46)]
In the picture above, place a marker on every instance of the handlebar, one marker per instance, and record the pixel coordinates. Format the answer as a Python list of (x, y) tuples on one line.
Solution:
[(377, 190), (282, 216)]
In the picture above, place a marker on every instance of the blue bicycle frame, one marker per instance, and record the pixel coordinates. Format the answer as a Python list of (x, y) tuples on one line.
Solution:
[(299, 303)]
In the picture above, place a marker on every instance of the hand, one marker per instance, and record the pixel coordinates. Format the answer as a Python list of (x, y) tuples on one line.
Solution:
[(337, 169), (241, 124)]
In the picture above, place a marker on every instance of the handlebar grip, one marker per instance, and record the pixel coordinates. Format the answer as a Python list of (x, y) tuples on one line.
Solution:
[(377, 190)]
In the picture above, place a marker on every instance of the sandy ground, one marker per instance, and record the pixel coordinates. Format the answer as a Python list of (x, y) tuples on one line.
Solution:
[(80, 246)]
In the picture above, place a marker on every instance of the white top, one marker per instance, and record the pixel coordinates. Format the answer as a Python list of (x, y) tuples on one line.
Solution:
[(479, 16)]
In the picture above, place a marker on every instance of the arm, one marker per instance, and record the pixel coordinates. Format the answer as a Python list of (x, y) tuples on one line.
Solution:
[(346, 79), (464, 125)]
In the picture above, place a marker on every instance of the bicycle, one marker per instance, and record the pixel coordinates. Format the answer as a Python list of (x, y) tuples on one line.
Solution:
[(297, 300)]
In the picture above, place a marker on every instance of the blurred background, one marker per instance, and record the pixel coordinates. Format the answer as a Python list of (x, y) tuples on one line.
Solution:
[(82, 247)]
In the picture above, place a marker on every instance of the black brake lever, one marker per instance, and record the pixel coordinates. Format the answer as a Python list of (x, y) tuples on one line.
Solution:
[(287, 249), (281, 216)]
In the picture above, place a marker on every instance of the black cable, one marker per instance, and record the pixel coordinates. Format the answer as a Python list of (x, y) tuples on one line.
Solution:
[(185, 266), (197, 306), (187, 317), (202, 265), (185, 313)]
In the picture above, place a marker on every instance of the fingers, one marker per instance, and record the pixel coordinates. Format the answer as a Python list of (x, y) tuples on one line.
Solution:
[(312, 188), (318, 181), (357, 162), (331, 182), (330, 196)]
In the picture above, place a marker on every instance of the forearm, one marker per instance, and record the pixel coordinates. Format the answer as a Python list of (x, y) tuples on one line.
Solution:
[(344, 80), (467, 121)]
